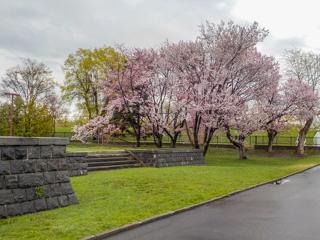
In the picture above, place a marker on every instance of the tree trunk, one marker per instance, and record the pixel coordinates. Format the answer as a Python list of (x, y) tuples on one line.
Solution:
[(271, 135), (53, 126), (173, 144), (194, 139), (96, 104), (160, 141), (208, 137), (157, 138), (138, 138), (173, 139), (238, 143), (87, 104), (302, 136), (137, 130), (242, 152)]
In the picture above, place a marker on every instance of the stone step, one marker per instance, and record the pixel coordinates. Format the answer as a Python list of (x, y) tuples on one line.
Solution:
[(113, 167), (108, 152), (108, 155), (109, 163), (106, 159)]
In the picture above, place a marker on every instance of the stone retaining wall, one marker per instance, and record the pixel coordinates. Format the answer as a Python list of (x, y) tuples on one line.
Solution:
[(170, 157), (33, 175), (77, 164)]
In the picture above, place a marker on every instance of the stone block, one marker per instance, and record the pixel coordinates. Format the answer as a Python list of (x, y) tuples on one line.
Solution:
[(6, 196), (11, 181), (49, 177), (55, 190), (29, 166), (62, 176), (41, 166), (31, 180), (47, 191), (73, 199), (64, 165), (14, 209), (63, 201), (53, 164), (58, 151), (45, 151), (19, 195), (2, 182), (66, 188), (52, 203), (31, 194), (84, 165), (40, 204), (27, 207), (16, 166), (33, 152), (7, 153), (4, 167), (21, 152), (3, 211)]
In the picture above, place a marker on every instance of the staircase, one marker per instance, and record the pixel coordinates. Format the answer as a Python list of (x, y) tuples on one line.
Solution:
[(103, 161)]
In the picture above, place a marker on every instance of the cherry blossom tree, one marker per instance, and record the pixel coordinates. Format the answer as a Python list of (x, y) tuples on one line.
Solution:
[(239, 72), (163, 107), (214, 72), (188, 59), (97, 127), (282, 104), (258, 72), (125, 88), (304, 66), (306, 107)]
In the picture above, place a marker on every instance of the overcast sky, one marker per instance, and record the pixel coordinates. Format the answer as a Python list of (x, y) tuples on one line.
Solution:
[(49, 30)]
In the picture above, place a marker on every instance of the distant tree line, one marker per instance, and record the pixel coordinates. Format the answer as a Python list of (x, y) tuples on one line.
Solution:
[(35, 107)]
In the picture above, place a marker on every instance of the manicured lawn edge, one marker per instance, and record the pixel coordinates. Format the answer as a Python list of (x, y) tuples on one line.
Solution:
[(137, 224)]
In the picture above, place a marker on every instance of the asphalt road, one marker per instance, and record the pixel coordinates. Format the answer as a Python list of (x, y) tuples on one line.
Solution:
[(289, 211)]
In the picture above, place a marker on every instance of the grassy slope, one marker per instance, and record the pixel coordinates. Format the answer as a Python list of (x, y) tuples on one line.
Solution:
[(114, 198)]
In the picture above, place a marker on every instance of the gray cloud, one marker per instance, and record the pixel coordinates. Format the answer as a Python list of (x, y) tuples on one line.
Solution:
[(50, 30), (53, 28)]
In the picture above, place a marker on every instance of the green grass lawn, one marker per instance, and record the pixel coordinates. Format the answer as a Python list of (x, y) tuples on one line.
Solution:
[(114, 198)]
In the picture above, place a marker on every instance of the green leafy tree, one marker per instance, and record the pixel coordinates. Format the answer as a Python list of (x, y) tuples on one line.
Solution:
[(84, 70)]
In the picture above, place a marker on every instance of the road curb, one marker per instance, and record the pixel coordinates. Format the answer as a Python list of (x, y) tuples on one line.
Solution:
[(104, 235)]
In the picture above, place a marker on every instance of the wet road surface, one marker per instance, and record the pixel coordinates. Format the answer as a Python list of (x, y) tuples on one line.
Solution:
[(289, 211)]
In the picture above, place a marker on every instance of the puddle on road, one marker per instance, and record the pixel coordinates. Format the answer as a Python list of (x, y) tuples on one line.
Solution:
[(283, 181)]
